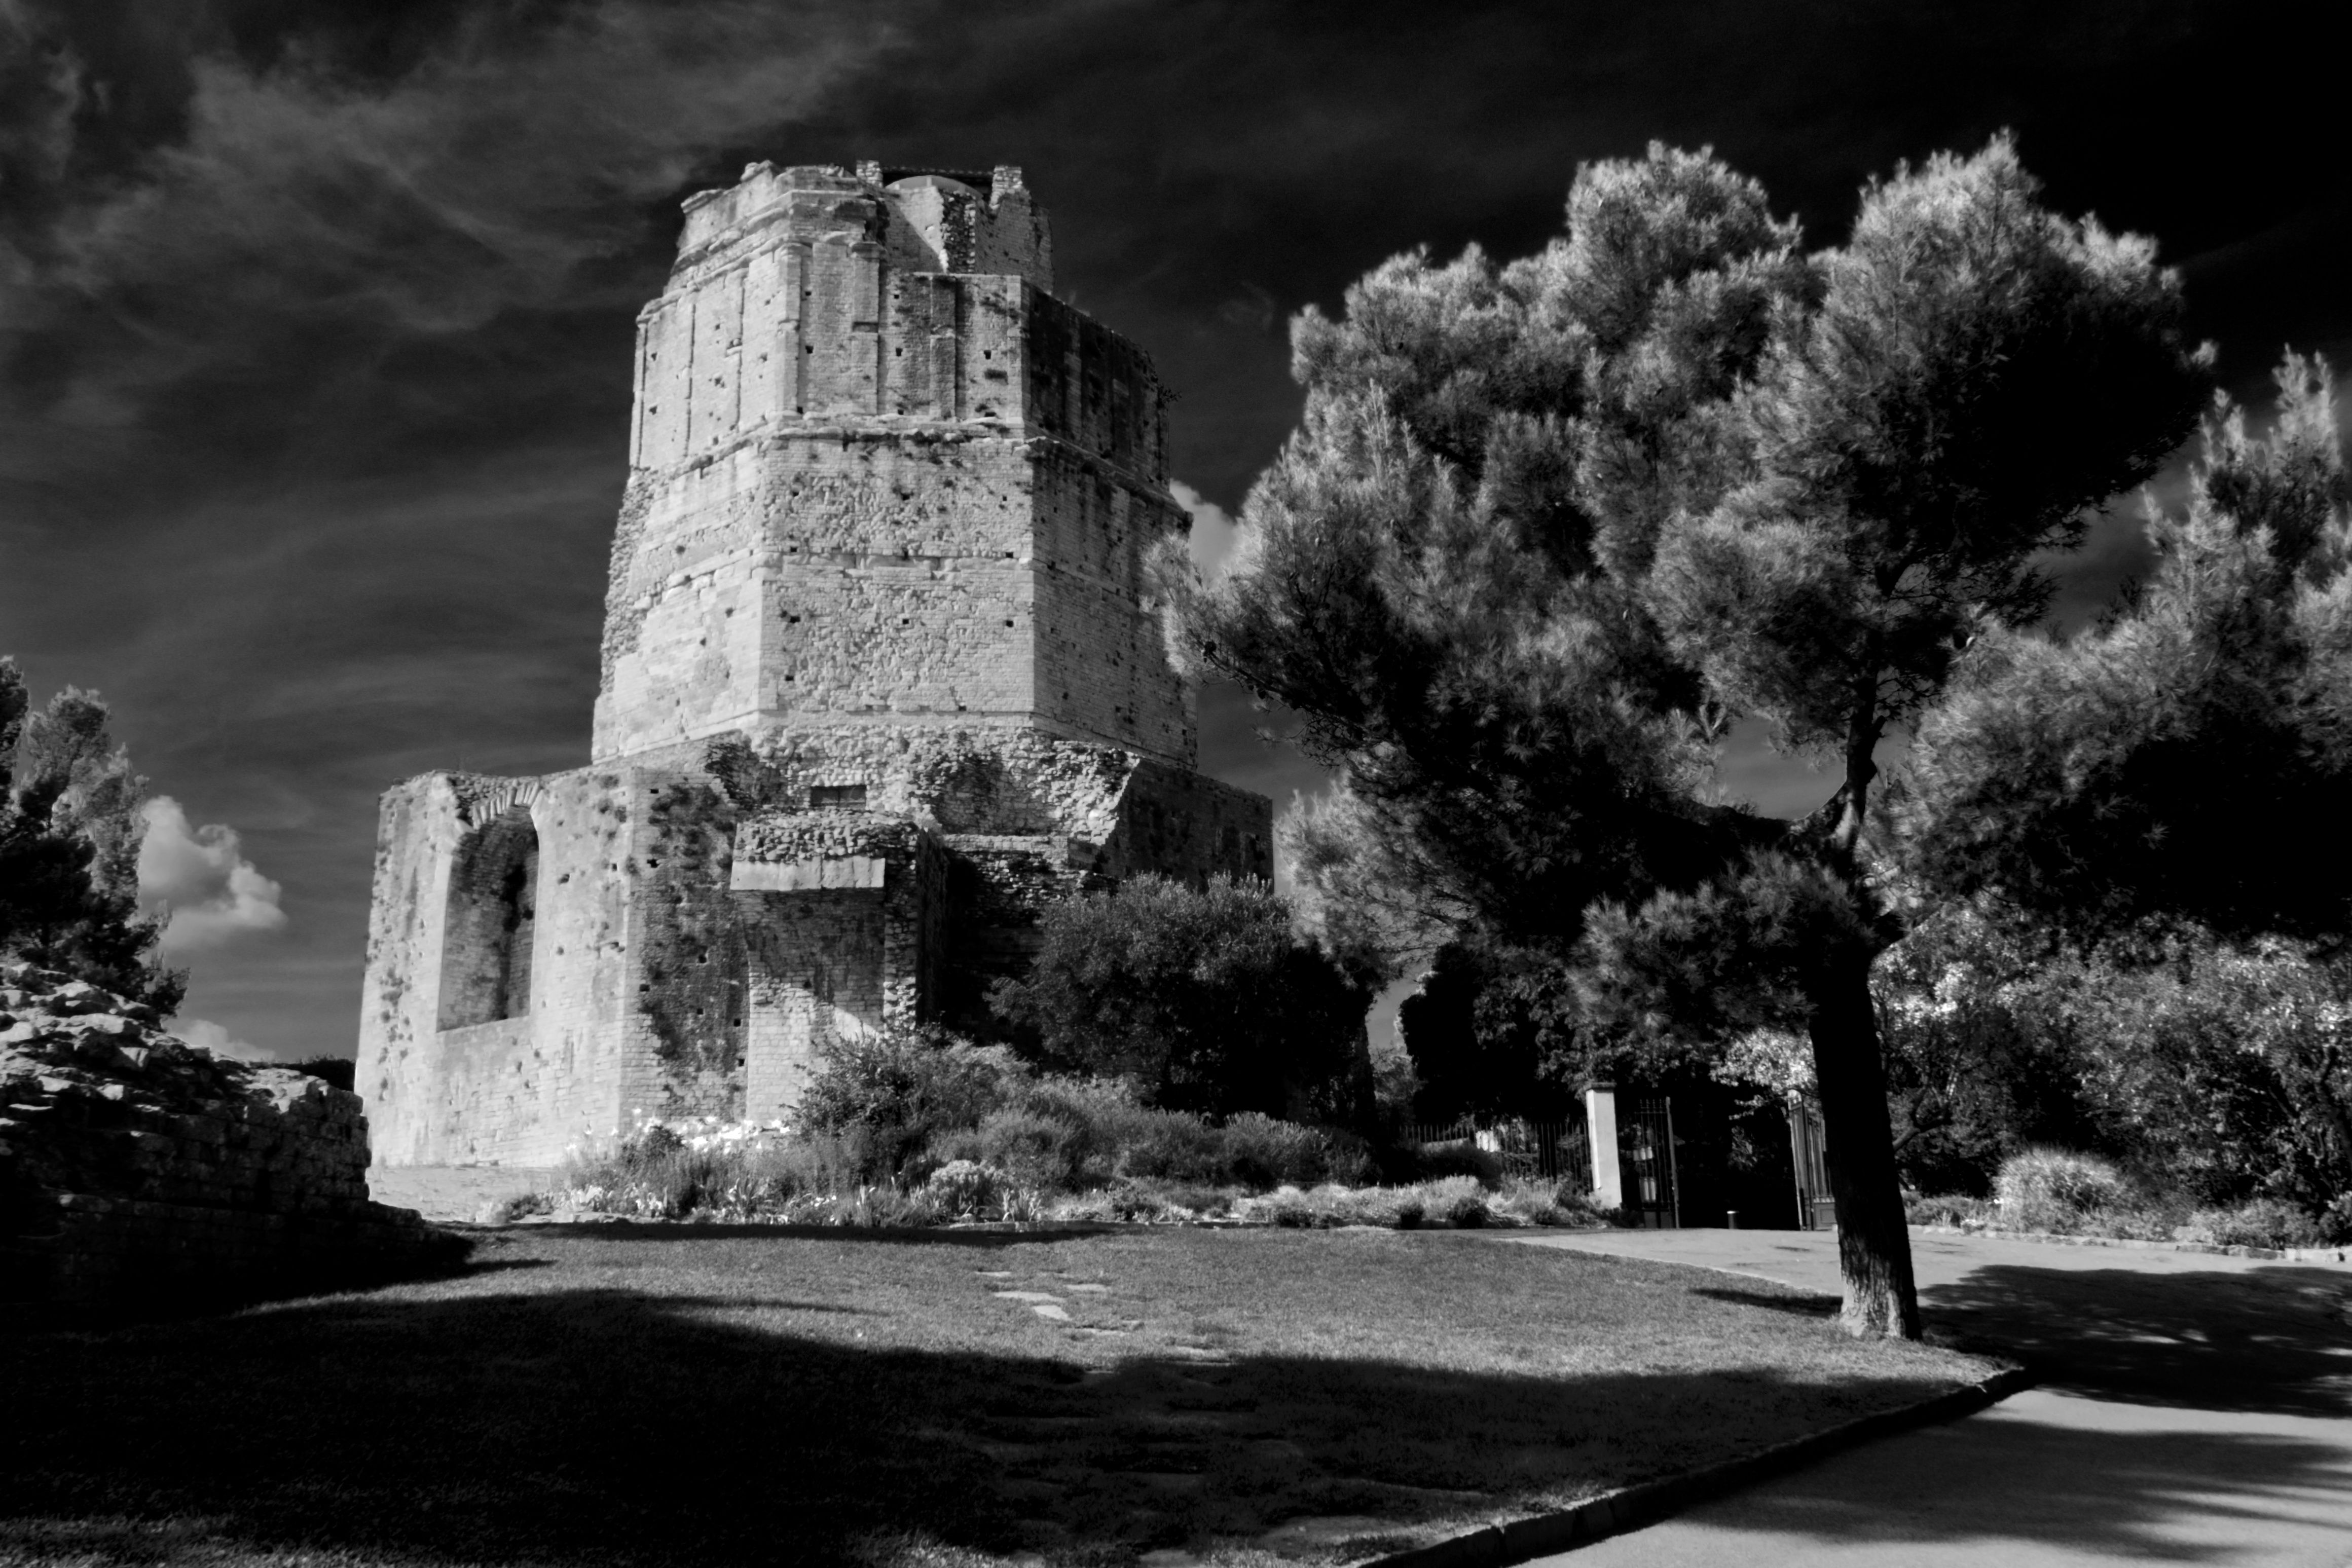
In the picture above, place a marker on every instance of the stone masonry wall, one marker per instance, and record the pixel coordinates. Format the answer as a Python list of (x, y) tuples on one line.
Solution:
[(842, 910), (138, 1170), (521, 1089), (865, 487)]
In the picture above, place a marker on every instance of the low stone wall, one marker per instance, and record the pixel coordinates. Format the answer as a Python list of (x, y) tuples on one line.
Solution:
[(140, 1172)]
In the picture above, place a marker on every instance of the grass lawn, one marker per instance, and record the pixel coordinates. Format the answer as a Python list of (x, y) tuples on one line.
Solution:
[(633, 1394)]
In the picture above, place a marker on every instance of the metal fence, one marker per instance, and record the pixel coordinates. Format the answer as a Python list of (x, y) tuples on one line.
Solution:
[(1535, 1151)]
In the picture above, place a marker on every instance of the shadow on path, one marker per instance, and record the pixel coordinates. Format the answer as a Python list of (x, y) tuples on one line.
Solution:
[(2271, 1340)]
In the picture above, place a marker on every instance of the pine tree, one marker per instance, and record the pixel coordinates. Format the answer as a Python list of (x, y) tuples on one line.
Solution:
[(70, 827), (1548, 529), (2190, 757)]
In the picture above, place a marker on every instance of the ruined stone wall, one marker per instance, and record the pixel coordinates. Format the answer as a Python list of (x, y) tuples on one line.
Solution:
[(137, 1168), (844, 913), (687, 1019), (1102, 671), (519, 1089), (1177, 823)]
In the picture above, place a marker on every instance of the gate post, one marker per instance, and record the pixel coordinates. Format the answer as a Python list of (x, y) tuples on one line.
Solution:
[(1600, 1129)]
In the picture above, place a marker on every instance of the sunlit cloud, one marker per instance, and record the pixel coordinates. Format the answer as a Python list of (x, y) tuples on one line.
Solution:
[(200, 875), (1213, 529)]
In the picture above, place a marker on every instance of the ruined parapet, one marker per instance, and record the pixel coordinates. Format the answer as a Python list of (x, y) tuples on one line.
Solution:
[(138, 1170)]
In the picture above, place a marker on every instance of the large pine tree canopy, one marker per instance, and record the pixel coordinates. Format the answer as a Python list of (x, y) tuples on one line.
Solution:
[(1549, 529)]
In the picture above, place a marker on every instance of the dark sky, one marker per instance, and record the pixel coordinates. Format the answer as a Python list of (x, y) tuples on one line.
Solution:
[(316, 315)]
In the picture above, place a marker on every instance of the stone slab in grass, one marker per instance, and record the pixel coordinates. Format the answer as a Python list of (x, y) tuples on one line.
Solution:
[(662, 1393)]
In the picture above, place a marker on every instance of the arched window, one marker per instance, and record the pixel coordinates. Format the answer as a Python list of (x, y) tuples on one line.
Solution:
[(492, 916)]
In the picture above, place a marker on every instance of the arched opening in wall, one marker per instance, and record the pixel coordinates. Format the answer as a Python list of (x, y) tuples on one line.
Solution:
[(492, 919)]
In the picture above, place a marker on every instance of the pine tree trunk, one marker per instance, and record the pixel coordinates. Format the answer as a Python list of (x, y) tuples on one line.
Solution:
[(1873, 1242)]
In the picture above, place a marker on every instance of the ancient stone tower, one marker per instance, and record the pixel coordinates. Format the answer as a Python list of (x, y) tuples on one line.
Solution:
[(881, 680)]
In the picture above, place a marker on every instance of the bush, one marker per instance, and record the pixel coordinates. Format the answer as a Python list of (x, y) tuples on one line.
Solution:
[(2053, 1189), (1459, 1201), (900, 1088), (1540, 1203), (1167, 1145), (1033, 1150), (1261, 1152), (659, 1175), (2264, 1222), (1203, 999), (1956, 1210)]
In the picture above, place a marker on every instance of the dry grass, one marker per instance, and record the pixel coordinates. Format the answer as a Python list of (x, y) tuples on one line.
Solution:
[(626, 1394)]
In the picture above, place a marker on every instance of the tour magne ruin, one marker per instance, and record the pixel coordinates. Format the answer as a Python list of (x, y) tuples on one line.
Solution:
[(882, 678)]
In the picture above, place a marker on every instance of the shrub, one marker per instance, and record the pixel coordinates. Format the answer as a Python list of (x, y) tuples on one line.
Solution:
[(2264, 1222), (1169, 1145), (1033, 1150), (1459, 1201), (1203, 999), (964, 1189), (659, 1175), (903, 1087), (1957, 1209), (2053, 1189), (1261, 1152), (1104, 1119), (1541, 1203)]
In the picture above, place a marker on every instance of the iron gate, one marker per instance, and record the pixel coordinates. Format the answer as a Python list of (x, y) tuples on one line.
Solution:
[(1645, 1159)]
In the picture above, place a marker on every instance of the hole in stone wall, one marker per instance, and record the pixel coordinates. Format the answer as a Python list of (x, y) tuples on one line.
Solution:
[(836, 797), (490, 922)]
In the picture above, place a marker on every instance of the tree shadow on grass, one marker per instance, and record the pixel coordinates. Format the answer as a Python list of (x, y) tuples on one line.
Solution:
[(2271, 1340), (616, 1426), (897, 1236), (1796, 1304)]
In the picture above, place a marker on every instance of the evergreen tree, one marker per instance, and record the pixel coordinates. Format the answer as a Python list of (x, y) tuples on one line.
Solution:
[(70, 827), (1547, 530), (2190, 757)]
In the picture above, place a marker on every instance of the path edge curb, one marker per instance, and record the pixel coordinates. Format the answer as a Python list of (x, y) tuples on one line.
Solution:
[(1647, 1502)]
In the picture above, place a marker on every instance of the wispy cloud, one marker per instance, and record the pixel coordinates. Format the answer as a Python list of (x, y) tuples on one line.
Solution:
[(306, 220)]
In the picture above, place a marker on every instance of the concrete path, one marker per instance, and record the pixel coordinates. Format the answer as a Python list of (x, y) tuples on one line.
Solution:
[(2192, 1410)]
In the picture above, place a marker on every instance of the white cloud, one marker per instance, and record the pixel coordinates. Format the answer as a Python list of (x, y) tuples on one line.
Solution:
[(206, 1035), (201, 876), (1213, 529)]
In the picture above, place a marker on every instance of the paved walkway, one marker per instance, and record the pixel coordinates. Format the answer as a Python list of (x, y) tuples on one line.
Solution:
[(2192, 1410)]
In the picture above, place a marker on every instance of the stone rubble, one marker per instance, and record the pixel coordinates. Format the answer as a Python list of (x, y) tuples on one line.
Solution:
[(138, 1170)]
